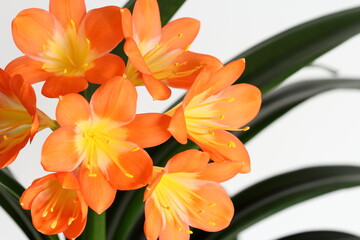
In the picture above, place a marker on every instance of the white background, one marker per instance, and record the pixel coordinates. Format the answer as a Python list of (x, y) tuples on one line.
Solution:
[(323, 130)]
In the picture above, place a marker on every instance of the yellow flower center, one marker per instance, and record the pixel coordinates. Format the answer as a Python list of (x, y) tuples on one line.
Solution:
[(67, 54)]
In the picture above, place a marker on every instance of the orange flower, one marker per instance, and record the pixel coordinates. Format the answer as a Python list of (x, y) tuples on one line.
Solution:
[(159, 57), (19, 118), (105, 139), (66, 46), (213, 106), (56, 205), (181, 194)]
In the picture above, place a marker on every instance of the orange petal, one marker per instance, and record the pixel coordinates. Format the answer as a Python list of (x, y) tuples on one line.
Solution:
[(126, 22), (28, 22), (173, 233), (59, 153), (188, 161), (98, 193), (68, 180), (177, 126), (7, 157), (131, 169), (132, 51), (105, 68), (244, 108), (68, 10), (25, 93), (148, 130), (199, 85), (216, 212), (157, 89), (179, 33), (60, 85), (193, 61), (153, 220), (102, 27), (221, 172), (72, 109), (146, 22), (115, 100), (224, 146), (76, 227), (31, 70)]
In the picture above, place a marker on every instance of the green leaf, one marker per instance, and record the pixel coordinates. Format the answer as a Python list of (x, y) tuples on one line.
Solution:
[(10, 192), (273, 60), (95, 226), (316, 235), (277, 193), (278, 102)]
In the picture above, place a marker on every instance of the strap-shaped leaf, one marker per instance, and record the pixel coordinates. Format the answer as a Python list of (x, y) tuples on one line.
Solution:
[(274, 194), (10, 192), (316, 235), (273, 60)]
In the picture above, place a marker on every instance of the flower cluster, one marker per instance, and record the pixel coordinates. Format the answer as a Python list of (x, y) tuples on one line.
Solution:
[(99, 146)]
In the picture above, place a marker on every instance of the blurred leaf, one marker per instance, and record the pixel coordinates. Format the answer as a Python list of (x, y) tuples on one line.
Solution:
[(316, 235), (10, 192), (277, 193), (95, 226), (280, 101), (273, 60)]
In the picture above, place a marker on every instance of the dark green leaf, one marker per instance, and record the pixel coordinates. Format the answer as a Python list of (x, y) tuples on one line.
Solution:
[(273, 60), (274, 194), (95, 226), (316, 235)]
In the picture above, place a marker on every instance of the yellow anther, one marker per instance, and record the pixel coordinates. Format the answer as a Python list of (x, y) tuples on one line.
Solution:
[(212, 204), (70, 220), (202, 211), (180, 35), (45, 213), (177, 64), (92, 175), (189, 231), (211, 223), (122, 10), (180, 229), (129, 175), (231, 144), (157, 45), (85, 65), (124, 75), (43, 66), (22, 204), (44, 47), (72, 22), (54, 224), (187, 48), (5, 137), (52, 209), (230, 99), (222, 117), (135, 149), (246, 128), (65, 71), (88, 41), (88, 166), (212, 133)]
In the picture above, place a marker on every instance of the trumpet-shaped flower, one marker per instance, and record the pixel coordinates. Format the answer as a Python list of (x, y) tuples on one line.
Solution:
[(20, 120), (182, 195), (105, 140), (67, 46), (56, 205), (213, 106), (159, 57)]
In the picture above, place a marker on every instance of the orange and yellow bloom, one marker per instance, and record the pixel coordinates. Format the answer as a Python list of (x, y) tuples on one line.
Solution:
[(56, 205), (20, 120), (213, 106), (182, 195), (105, 140), (67, 46), (159, 57)]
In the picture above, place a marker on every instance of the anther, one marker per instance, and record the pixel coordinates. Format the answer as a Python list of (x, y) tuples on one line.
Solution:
[(230, 99), (157, 45), (231, 144), (54, 224), (135, 149), (211, 223), (202, 211), (52, 209), (212, 133), (44, 47), (222, 117), (189, 231), (124, 75), (72, 22), (5, 137), (212, 204), (129, 175), (246, 128), (43, 66), (65, 71), (70, 220), (88, 41), (180, 35), (187, 48), (45, 213), (92, 175)]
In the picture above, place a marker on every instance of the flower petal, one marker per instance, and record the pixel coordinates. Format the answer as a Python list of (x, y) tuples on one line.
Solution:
[(59, 153), (148, 130), (28, 22), (106, 67), (102, 27), (188, 161), (115, 100), (68, 180), (179, 33), (146, 22), (60, 85), (153, 220), (76, 227), (173, 233), (216, 212), (68, 10), (98, 193), (177, 126), (25, 93), (135, 57), (72, 109), (31, 70), (221, 172), (126, 22), (130, 169), (157, 89)]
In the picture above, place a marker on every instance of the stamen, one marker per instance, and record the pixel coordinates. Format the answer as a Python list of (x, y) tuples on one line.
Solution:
[(232, 144), (222, 117), (212, 204), (187, 48), (189, 231), (5, 137), (72, 22), (44, 47), (202, 211), (180, 35), (45, 213), (129, 175), (71, 219), (211, 223), (135, 149), (54, 224)]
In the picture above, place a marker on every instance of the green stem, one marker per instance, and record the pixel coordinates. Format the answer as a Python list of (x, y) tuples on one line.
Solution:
[(95, 226)]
